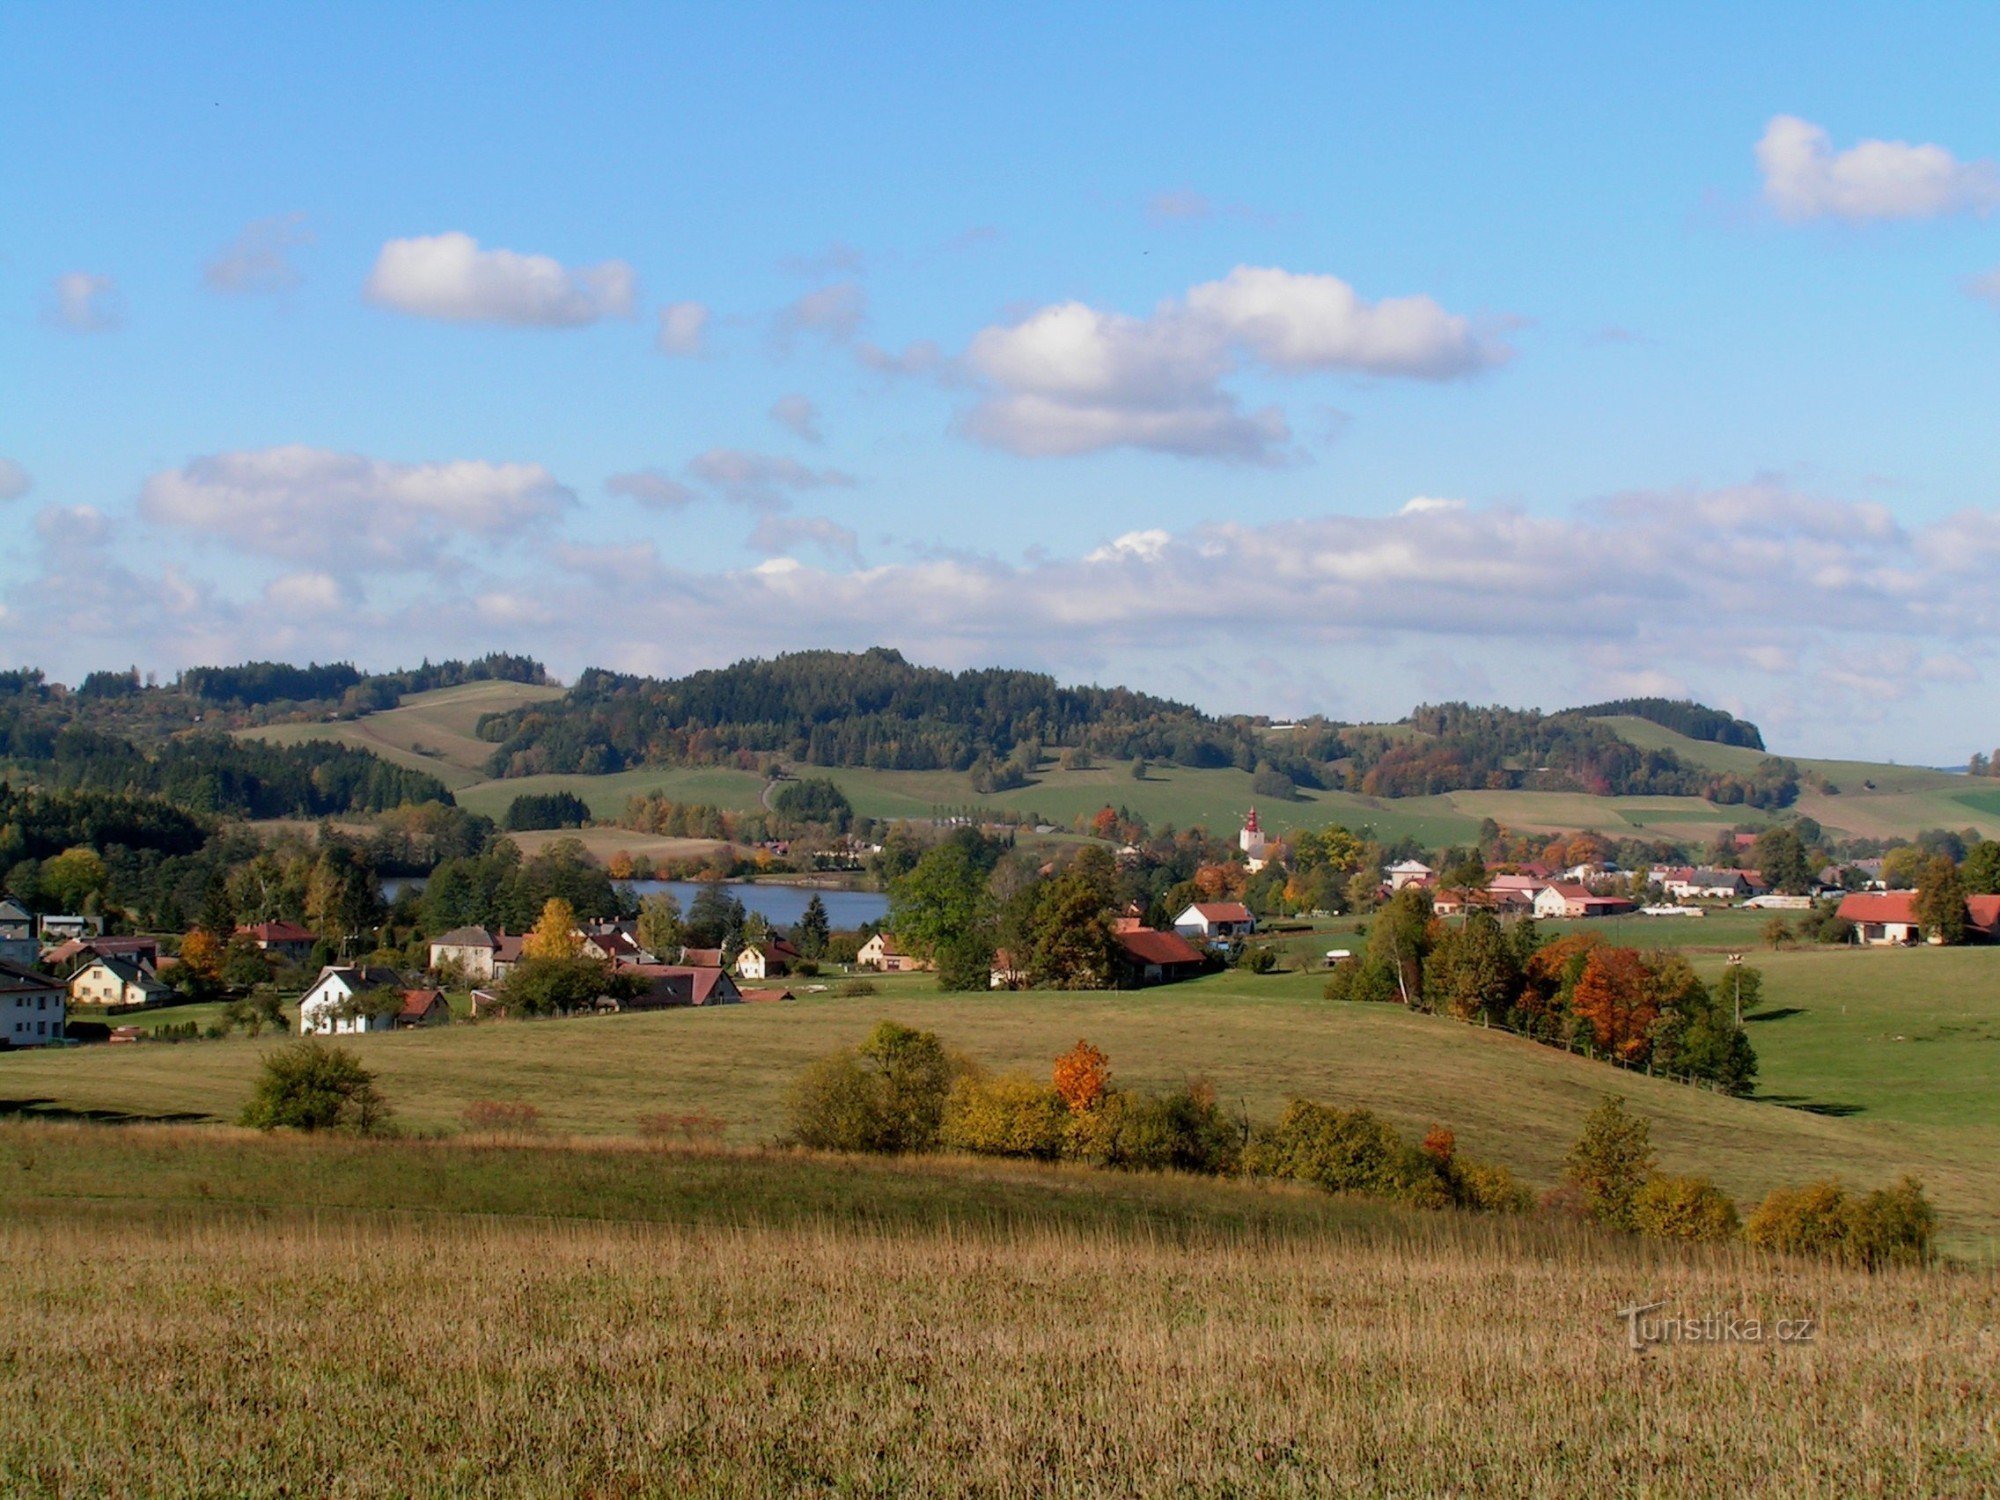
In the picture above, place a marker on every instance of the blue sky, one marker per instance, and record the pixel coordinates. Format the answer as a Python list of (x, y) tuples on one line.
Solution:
[(1280, 358)]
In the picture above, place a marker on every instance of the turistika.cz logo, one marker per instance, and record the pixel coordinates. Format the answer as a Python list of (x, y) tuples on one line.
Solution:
[(1644, 1330)]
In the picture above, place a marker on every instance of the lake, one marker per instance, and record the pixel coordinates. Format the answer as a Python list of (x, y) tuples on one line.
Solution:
[(780, 905)]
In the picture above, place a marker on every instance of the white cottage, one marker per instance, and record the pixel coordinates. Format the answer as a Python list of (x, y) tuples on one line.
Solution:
[(327, 1009)]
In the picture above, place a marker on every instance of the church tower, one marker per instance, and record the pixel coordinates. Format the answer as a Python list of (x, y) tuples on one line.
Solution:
[(1252, 842)]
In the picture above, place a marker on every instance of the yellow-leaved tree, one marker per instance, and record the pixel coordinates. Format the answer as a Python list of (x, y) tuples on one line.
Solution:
[(555, 932)]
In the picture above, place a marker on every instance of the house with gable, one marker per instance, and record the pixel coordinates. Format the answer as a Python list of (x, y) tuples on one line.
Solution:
[(32, 1012), (117, 981), (765, 960), (471, 949), (1215, 921), (332, 1006), (287, 941)]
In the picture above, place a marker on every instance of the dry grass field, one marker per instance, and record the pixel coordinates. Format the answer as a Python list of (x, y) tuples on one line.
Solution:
[(935, 1327)]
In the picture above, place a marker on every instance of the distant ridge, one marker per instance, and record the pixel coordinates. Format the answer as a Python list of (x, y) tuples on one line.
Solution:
[(1683, 716)]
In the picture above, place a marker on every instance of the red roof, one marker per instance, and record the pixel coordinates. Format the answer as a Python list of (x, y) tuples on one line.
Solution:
[(704, 983), (1984, 912), (1222, 911), (1879, 906), (1163, 948), (279, 932), (417, 1003)]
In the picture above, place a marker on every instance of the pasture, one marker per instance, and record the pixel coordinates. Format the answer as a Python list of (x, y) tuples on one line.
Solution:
[(1844, 1109)]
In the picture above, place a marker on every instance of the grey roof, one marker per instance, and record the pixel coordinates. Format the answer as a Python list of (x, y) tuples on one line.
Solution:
[(465, 937), (15, 978)]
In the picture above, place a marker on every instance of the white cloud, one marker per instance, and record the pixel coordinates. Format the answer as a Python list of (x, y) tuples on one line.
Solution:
[(259, 258), (1805, 178), (683, 329), (798, 416), (72, 525), (652, 489), (1071, 378), (836, 311), (760, 481), (448, 276), (84, 302), (306, 593), (780, 535), (346, 512), (14, 481)]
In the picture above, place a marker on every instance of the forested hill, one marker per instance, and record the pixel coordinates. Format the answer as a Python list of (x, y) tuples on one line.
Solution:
[(1682, 717), (869, 708), (875, 709)]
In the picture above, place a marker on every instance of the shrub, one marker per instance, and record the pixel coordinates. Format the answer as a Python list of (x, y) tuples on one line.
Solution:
[(311, 1086), (1684, 1208), (855, 987), (1610, 1162), (887, 1095), (1487, 1187), (1183, 1131), (1260, 960), (1890, 1226), (1011, 1115), (501, 1117), (1082, 1077), (1346, 1151)]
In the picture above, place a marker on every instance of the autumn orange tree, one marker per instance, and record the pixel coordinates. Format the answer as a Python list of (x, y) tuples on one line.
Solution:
[(1082, 1077), (1616, 996)]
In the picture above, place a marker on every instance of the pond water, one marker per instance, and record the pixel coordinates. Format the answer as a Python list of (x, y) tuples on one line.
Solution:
[(780, 905)]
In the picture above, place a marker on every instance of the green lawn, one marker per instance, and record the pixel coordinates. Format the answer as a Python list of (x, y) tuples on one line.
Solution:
[(1258, 1040)]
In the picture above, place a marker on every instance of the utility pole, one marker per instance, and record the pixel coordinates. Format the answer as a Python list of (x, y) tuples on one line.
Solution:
[(1736, 966)]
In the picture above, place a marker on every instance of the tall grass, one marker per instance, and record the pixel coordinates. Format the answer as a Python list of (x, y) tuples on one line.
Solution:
[(915, 1328)]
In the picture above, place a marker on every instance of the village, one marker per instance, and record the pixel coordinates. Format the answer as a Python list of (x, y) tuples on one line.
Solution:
[(63, 980)]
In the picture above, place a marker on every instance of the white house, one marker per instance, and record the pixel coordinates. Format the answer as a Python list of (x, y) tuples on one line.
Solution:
[(1410, 872), (762, 960), (1216, 921), (31, 1008), (327, 1009), (881, 952), (471, 948), (17, 933)]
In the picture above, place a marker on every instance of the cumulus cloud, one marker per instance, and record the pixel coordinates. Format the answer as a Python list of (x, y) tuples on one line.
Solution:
[(72, 525), (1072, 378), (310, 593), (14, 481), (683, 329), (760, 481), (798, 416), (652, 489), (259, 258), (85, 302), (1805, 178), (449, 276), (346, 512), (781, 535)]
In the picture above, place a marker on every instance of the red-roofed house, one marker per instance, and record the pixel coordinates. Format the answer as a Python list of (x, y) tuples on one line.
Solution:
[(1216, 920), (1887, 919), (881, 952), (1574, 901), (1149, 957), (764, 960), (286, 940), (669, 986)]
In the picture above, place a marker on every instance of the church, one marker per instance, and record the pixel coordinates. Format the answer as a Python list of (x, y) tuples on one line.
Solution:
[(1252, 842)]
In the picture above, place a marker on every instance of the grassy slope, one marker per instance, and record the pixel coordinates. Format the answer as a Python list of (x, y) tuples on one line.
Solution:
[(1259, 1041), (1902, 800), (428, 731), (863, 1328)]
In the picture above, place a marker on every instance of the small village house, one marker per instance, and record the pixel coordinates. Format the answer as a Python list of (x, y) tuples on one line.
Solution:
[(286, 941), (64, 957), (1409, 872), (423, 1008), (468, 950), (1150, 957), (765, 960), (32, 1012), (330, 1007), (117, 981), (880, 952), (671, 986), (1888, 919), (1215, 921), (17, 933)]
